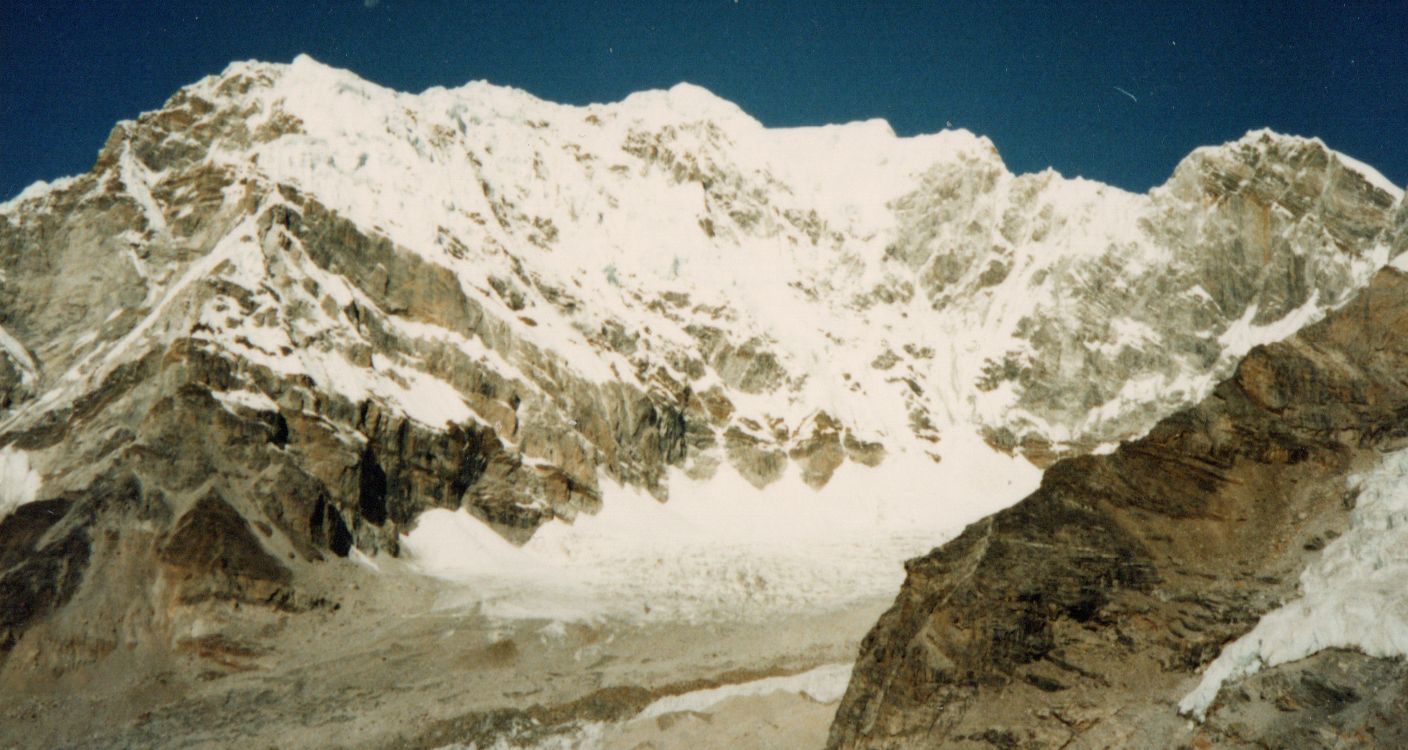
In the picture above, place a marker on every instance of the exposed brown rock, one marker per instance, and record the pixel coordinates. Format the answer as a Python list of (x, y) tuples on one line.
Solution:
[(212, 540), (755, 459), (819, 451), (863, 451), (37, 576)]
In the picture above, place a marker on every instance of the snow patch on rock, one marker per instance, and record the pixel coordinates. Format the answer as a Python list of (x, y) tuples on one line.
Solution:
[(245, 399), (1353, 596), (19, 355), (19, 482)]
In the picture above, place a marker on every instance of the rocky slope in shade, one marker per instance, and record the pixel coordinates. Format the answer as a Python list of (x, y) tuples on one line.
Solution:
[(1081, 616), (290, 311)]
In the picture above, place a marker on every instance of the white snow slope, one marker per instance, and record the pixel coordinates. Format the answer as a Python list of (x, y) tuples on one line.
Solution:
[(722, 547)]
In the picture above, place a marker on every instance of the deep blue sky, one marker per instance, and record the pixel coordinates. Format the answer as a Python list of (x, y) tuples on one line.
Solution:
[(1037, 78)]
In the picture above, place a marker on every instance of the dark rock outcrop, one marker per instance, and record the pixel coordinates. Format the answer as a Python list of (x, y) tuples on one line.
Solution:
[(212, 542), (38, 572)]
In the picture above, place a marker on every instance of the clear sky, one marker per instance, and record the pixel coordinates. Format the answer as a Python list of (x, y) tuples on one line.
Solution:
[(1042, 80)]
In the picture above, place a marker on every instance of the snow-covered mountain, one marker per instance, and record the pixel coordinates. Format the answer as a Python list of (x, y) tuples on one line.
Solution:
[(788, 280), (475, 299), (640, 359), (559, 296)]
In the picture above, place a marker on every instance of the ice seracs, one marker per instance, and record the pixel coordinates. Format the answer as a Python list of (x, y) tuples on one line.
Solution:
[(721, 547), (1352, 597)]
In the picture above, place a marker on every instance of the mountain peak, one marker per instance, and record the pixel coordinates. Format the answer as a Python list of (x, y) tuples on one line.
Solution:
[(1267, 146), (684, 101)]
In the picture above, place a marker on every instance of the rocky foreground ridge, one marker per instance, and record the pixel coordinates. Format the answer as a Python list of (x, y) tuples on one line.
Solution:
[(291, 311), (1083, 615)]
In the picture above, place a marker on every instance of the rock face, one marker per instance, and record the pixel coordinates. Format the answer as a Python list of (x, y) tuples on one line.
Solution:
[(1081, 616), (291, 311)]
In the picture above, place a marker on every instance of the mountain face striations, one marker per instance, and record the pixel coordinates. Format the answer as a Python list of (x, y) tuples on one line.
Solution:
[(291, 313)]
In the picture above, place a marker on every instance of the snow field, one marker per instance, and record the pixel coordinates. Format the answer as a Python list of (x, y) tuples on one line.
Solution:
[(721, 548)]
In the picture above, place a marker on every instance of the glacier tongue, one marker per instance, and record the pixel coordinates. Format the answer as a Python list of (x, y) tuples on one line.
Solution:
[(721, 548)]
